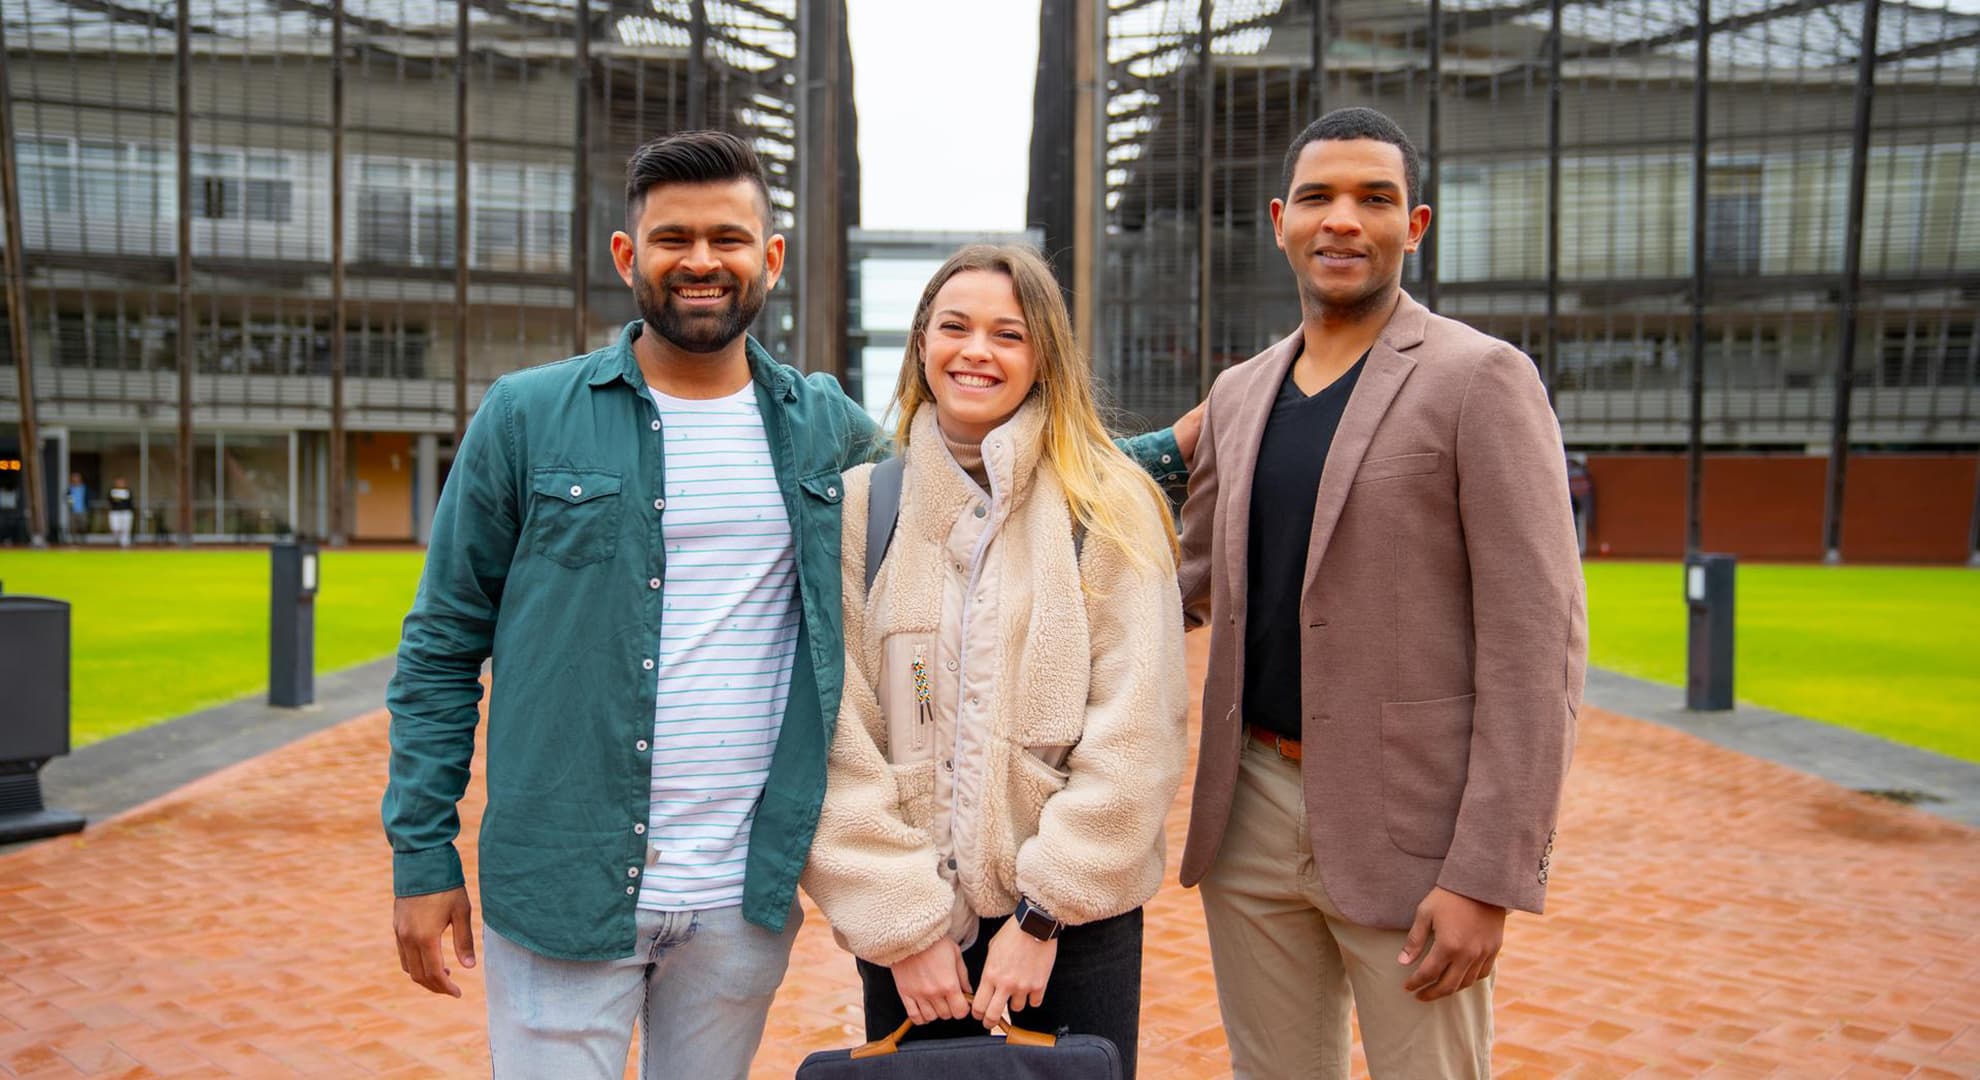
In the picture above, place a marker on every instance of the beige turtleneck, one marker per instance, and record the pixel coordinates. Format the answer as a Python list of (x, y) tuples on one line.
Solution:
[(969, 455)]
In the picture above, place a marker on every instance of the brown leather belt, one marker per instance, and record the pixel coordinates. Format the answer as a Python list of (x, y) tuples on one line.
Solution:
[(1287, 748)]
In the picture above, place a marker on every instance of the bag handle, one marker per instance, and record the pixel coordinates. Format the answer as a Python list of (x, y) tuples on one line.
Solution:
[(1013, 1035)]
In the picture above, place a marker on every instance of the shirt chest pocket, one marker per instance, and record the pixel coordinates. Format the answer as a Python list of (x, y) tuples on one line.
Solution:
[(574, 515)]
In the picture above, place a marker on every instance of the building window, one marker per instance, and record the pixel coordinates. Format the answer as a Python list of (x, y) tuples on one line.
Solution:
[(1732, 219), (405, 212), (231, 186), (48, 175)]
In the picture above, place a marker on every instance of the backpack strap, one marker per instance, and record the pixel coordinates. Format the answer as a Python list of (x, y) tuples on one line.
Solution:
[(883, 509)]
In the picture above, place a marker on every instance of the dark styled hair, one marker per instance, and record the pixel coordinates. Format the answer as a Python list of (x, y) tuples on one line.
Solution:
[(691, 157), (1356, 122)]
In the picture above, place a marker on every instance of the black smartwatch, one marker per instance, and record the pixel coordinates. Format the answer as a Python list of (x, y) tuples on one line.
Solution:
[(1034, 921)]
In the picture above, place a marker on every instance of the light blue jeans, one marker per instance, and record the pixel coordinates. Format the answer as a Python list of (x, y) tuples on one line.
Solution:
[(699, 984)]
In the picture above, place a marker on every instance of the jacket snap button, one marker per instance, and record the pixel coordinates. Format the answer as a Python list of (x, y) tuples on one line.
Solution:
[(576, 491)]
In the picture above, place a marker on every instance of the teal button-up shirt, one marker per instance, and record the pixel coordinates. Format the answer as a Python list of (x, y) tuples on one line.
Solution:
[(545, 548)]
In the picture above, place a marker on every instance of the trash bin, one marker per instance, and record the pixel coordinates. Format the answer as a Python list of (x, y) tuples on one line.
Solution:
[(1708, 594), (292, 625), (34, 713)]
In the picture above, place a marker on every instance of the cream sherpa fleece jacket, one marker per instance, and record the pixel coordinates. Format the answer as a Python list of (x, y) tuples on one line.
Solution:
[(1099, 669)]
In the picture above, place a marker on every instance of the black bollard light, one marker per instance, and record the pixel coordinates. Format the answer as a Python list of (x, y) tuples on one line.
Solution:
[(1708, 594), (34, 669), (292, 624)]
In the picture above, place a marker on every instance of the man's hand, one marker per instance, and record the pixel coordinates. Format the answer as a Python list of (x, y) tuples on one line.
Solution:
[(1188, 428), (933, 982), (1014, 973), (1465, 936), (419, 922)]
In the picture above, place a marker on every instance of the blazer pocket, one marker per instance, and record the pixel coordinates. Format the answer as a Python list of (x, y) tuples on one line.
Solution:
[(574, 514), (1389, 468), (1426, 752)]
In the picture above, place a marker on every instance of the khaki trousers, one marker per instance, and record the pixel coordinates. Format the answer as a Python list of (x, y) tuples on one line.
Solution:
[(1289, 965)]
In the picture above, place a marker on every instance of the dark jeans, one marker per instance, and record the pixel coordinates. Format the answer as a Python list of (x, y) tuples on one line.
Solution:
[(1095, 988)]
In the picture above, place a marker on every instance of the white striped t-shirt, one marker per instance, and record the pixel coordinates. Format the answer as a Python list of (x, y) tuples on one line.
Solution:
[(728, 639)]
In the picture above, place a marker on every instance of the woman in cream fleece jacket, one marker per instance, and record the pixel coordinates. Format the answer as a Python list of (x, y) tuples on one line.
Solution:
[(1012, 733)]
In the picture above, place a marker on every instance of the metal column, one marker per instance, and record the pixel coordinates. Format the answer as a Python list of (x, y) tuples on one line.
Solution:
[(1550, 364), (1852, 281), (460, 220), (335, 528), (1318, 46), (1694, 508), (1427, 251), (1206, 93), (17, 313), (184, 269), (581, 187), (697, 87), (821, 220), (426, 484), (1089, 171)]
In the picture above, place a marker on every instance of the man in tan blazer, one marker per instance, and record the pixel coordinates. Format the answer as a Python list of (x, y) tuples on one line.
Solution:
[(1378, 534)]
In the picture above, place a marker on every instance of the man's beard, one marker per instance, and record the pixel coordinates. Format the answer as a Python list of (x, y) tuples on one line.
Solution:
[(701, 332)]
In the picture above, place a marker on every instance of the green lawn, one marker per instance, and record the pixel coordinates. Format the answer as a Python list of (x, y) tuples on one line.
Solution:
[(158, 634), (1894, 652), (1891, 651)]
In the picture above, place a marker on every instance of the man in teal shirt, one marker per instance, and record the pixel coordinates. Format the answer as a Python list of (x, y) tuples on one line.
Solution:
[(551, 552)]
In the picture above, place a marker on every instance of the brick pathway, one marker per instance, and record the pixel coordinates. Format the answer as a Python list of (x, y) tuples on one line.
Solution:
[(1712, 915)]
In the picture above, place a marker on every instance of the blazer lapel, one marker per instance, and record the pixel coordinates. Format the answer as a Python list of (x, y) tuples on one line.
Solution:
[(1386, 369), (1247, 422)]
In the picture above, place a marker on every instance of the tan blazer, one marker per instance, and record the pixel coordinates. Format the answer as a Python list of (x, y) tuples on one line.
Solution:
[(1444, 627)]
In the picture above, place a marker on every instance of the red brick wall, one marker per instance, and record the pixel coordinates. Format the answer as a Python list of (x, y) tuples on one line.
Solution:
[(1899, 507)]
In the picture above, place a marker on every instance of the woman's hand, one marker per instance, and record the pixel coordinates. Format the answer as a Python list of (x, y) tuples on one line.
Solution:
[(1014, 973), (934, 983)]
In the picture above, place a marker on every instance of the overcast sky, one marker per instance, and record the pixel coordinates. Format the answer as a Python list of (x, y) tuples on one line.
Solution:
[(943, 89)]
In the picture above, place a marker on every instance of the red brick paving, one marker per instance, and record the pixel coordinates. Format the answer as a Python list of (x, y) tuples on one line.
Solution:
[(1712, 915)]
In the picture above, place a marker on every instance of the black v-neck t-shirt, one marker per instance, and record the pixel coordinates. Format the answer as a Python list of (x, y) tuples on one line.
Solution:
[(1291, 458)]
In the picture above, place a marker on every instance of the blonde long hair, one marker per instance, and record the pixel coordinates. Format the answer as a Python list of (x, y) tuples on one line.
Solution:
[(1099, 480)]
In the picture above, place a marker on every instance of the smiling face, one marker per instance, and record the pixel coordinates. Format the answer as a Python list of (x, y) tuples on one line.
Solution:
[(701, 261), (977, 353), (1345, 226)]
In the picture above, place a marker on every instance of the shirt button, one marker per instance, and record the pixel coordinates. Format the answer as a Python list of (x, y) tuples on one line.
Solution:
[(632, 871), (640, 746), (952, 665), (639, 828), (949, 765), (952, 863), (576, 491), (647, 664), (659, 504), (656, 427), (653, 583), (972, 699), (980, 511)]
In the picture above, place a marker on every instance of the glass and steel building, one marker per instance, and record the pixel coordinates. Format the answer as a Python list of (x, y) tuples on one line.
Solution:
[(266, 255), (1782, 196)]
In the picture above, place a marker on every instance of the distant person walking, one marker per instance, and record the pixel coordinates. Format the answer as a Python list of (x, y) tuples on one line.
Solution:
[(76, 508), (122, 511), (13, 528)]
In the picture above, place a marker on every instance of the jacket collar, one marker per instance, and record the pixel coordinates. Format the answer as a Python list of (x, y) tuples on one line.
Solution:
[(618, 363), (1011, 456)]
